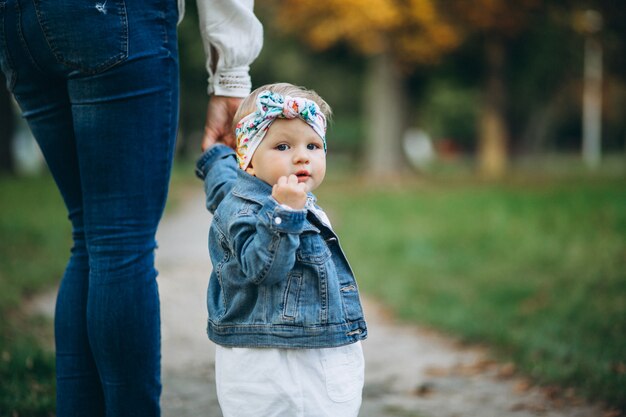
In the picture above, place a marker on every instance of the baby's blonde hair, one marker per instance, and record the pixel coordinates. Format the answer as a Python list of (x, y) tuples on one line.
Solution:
[(248, 105)]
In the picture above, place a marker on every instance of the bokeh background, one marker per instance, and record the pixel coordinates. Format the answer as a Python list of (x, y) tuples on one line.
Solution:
[(477, 177)]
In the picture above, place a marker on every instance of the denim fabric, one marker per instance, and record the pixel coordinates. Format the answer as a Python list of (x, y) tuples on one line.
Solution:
[(97, 82), (280, 278)]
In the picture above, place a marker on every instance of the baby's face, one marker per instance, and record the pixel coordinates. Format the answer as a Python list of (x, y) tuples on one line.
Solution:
[(290, 146)]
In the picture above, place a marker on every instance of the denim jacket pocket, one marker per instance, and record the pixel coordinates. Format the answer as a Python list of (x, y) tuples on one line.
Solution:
[(5, 63), (313, 249), (84, 35), (291, 298)]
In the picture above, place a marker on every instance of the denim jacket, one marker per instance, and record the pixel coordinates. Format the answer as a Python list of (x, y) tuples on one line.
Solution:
[(280, 278)]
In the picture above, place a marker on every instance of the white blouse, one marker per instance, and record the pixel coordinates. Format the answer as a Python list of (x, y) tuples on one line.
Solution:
[(232, 37)]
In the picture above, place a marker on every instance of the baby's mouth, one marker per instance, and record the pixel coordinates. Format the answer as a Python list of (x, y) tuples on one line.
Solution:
[(303, 175)]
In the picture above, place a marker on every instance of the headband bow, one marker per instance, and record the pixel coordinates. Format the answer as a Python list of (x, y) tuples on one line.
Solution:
[(251, 130)]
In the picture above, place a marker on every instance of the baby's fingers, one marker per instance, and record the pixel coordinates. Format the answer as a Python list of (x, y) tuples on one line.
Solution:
[(293, 180)]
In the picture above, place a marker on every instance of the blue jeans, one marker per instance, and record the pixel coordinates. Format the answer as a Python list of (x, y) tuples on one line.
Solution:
[(97, 82)]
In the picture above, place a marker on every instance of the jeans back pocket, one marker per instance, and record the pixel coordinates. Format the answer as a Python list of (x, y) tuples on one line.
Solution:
[(88, 35)]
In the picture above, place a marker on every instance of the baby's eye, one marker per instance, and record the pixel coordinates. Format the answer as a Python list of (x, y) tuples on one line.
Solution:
[(282, 147), (312, 146)]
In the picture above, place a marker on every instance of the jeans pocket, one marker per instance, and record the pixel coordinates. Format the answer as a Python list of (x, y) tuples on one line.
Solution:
[(89, 36), (5, 63), (343, 369)]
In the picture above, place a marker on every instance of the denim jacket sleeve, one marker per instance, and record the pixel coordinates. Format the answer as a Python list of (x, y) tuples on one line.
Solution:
[(265, 242), (218, 168)]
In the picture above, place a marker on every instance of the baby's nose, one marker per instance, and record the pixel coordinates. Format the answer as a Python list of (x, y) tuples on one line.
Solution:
[(301, 155)]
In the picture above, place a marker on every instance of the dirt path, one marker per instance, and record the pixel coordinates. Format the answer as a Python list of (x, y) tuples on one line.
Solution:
[(410, 372)]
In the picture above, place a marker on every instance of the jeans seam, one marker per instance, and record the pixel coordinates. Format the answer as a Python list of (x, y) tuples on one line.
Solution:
[(164, 16), (45, 32), (171, 132), (218, 273), (164, 28), (324, 302), (23, 42)]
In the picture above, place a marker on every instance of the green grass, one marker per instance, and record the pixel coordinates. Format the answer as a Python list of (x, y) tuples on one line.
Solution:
[(35, 240), (34, 247), (536, 269)]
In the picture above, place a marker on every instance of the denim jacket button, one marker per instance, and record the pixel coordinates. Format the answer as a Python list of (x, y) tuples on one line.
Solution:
[(278, 220)]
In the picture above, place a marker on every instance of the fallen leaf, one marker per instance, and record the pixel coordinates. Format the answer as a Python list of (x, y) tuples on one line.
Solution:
[(436, 371), (533, 408), (522, 386), (552, 392), (507, 370), (612, 413), (424, 389)]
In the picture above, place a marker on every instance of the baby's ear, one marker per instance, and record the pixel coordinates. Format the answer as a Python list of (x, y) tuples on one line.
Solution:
[(250, 170)]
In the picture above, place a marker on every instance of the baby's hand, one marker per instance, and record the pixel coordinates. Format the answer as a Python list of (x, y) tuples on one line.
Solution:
[(290, 192)]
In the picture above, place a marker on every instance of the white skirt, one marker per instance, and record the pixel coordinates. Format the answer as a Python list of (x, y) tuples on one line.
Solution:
[(265, 382)]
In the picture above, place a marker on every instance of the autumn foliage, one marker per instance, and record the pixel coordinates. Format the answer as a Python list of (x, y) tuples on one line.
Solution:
[(493, 16), (413, 31)]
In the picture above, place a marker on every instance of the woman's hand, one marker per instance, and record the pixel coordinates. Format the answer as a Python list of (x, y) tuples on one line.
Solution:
[(290, 192), (219, 121)]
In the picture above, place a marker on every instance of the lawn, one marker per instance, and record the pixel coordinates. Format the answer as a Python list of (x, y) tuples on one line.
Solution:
[(34, 246), (536, 269)]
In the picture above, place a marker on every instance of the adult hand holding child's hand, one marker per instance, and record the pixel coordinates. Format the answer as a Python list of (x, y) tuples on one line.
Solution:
[(219, 118), (290, 192)]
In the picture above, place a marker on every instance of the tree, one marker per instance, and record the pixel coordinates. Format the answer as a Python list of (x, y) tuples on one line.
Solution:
[(401, 35), (396, 36), (496, 22)]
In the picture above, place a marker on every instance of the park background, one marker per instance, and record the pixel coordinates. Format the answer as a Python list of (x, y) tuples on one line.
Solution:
[(477, 176)]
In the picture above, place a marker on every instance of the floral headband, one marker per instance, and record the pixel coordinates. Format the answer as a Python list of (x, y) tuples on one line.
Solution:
[(251, 130)]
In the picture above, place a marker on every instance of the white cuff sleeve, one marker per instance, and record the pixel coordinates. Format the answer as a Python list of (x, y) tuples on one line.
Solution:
[(232, 37), (233, 82)]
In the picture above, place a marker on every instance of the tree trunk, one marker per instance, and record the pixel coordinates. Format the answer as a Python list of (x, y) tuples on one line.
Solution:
[(7, 128), (541, 121), (493, 140), (386, 114), (592, 103)]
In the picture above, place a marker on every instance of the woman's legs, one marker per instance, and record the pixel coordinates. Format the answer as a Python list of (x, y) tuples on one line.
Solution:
[(108, 137), (125, 149), (79, 390)]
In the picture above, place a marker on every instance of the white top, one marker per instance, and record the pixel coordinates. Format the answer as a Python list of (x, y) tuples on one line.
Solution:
[(232, 38)]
